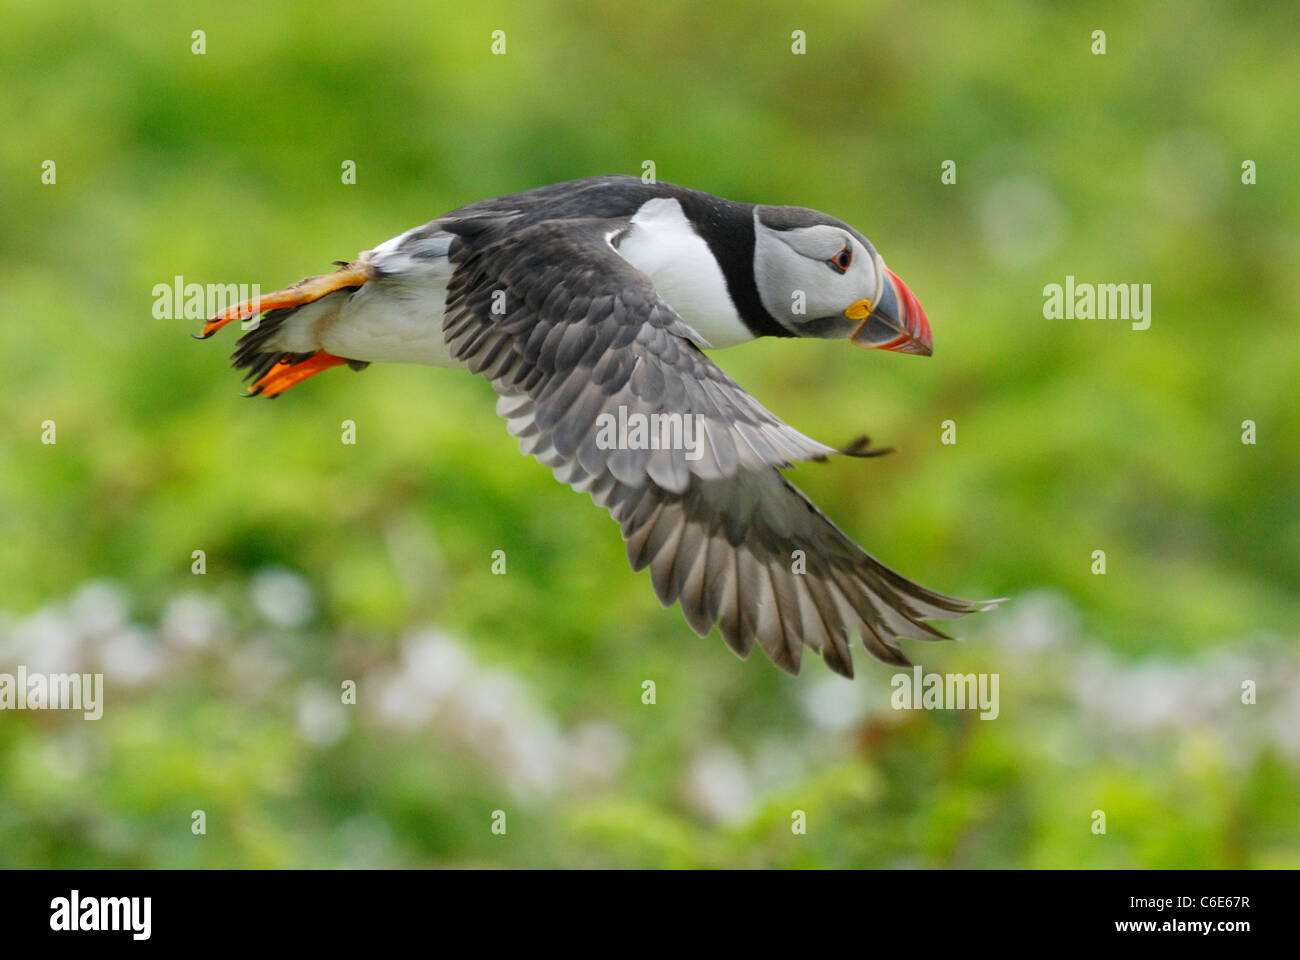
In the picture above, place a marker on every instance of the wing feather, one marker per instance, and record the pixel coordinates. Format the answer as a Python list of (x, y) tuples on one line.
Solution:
[(583, 337)]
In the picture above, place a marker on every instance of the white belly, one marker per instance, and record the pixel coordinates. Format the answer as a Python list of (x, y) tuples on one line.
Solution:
[(396, 317), (386, 322)]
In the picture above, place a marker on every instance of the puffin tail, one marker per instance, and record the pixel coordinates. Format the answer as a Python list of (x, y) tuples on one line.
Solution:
[(281, 348)]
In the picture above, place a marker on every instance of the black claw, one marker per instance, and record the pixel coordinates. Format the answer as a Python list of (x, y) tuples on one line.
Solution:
[(861, 447)]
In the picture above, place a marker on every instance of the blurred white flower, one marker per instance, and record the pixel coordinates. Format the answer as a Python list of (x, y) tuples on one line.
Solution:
[(530, 757), (192, 620), (1036, 621), (435, 662), (1158, 695), (1087, 700), (486, 705), (834, 703), (47, 642), (495, 715), (1218, 678), (596, 754), (322, 716), (398, 699), (1286, 723), (283, 597), (131, 657), (98, 608), (717, 785), (1090, 680), (487, 711)]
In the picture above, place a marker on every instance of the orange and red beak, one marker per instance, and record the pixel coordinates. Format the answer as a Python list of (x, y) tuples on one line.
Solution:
[(894, 322)]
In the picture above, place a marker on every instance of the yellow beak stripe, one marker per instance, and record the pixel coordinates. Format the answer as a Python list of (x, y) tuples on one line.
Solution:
[(859, 311)]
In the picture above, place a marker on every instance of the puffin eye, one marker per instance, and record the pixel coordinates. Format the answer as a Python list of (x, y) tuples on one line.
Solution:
[(841, 261)]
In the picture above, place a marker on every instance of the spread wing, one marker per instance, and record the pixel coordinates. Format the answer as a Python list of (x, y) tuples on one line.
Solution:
[(575, 339)]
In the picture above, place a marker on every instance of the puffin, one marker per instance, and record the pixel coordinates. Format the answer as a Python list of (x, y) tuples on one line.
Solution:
[(588, 306)]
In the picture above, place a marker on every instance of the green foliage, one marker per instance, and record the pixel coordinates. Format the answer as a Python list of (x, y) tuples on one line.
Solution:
[(1073, 436)]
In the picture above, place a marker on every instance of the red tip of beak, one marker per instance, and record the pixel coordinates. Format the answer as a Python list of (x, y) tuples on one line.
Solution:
[(896, 322), (912, 319)]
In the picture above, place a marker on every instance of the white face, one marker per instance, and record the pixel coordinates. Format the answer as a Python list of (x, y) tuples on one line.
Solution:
[(808, 276)]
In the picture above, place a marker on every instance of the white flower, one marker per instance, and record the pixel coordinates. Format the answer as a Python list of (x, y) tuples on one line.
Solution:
[(834, 703), (436, 663), (98, 608), (717, 785), (1036, 622), (192, 620), (322, 716), (47, 642), (596, 754), (398, 700), (283, 597), (131, 656)]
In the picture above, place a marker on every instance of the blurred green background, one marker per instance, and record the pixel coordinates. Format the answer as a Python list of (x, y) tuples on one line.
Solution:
[(371, 562)]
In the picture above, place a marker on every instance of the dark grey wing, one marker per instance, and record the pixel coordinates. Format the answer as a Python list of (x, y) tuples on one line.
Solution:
[(568, 332), (551, 310)]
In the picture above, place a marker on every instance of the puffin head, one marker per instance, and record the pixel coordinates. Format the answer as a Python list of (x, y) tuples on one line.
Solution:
[(818, 277)]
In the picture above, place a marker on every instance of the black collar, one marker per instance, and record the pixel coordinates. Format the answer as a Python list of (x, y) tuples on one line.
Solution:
[(728, 228)]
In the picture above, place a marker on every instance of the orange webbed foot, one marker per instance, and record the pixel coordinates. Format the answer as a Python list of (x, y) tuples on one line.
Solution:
[(287, 373)]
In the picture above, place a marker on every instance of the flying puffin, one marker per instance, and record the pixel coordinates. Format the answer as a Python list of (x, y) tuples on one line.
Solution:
[(588, 305)]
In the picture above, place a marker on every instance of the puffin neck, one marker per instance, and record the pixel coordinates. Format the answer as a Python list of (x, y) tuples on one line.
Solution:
[(728, 228)]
